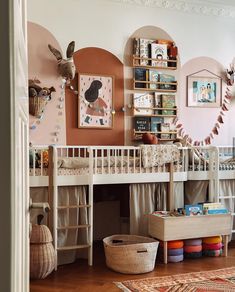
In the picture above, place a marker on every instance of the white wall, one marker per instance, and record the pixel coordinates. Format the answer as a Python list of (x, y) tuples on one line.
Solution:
[(108, 25)]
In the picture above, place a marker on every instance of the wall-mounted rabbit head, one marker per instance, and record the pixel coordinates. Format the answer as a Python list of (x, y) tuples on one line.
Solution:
[(66, 67)]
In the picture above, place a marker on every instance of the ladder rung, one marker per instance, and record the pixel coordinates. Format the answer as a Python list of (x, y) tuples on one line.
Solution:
[(73, 206), (73, 227), (227, 197), (73, 247)]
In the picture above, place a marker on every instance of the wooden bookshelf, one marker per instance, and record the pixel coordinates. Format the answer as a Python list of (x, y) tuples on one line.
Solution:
[(150, 88)]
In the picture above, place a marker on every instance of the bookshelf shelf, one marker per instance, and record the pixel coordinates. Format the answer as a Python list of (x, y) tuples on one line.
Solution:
[(157, 108), (159, 115), (136, 63), (154, 89), (157, 132)]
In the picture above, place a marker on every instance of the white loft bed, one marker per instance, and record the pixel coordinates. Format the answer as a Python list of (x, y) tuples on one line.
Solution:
[(92, 165)]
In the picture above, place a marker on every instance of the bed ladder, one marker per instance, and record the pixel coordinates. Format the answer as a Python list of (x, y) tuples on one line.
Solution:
[(54, 191)]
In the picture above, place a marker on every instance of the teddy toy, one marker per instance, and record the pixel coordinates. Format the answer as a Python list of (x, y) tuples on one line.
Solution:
[(38, 97), (36, 90)]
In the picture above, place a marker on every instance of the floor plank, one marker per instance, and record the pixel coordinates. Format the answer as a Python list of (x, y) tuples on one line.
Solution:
[(79, 277)]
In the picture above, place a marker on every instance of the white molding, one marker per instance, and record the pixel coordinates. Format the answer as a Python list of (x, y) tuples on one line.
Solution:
[(189, 6)]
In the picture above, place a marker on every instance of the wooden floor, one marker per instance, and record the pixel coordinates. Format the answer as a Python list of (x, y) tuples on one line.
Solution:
[(80, 277)]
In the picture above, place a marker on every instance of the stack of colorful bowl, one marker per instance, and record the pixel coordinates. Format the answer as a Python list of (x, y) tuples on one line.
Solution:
[(193, 248), (175, 251), (212, 246)]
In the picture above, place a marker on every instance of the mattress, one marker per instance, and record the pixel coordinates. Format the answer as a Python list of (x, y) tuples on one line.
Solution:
[(102, 170)]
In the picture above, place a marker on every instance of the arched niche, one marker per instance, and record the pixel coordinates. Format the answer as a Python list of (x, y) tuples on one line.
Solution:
[(198, 122), (146, 32), (43, 66), (98, 62)]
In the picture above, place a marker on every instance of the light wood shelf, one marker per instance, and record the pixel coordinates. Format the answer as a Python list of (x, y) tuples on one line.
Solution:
[(73, 207), (161, 87), (138, 59), (157, 108), (73, 247), (154, 90), (74, 227), (158, 132)]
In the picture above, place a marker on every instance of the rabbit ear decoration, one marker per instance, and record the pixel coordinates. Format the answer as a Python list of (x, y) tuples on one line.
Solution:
[(55, 52), (70, 49)]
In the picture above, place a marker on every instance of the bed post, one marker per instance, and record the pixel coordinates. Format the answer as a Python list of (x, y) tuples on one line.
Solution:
[(214, 174), (171, 199), (54, 189), (90, 210), (50, 188)]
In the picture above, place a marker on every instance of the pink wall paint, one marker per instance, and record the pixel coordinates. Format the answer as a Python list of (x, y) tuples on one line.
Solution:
[(198, 122), (43, 66)]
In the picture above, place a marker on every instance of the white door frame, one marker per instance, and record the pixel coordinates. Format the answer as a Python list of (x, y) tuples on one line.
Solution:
[(14, 193)]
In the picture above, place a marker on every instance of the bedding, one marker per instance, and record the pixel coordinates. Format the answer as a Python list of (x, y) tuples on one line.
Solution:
[(104, 170), (154, 155), (81, 162)]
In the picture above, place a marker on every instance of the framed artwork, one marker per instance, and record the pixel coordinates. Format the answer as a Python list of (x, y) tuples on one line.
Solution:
[(95, 103), (204, 91)]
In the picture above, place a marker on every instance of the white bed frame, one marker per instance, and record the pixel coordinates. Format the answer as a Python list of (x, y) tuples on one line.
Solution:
[(188, 168)]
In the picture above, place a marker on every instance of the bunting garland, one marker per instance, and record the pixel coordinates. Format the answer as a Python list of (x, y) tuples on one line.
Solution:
[(214, 131)]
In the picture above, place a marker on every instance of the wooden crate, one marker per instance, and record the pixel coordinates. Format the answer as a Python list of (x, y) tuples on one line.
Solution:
[(185, 227)]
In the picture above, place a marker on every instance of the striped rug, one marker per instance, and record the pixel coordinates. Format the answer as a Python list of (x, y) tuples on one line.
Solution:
[(210, 281)]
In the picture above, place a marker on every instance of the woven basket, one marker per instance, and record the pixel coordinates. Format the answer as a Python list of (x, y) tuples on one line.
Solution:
[(42, 252), (130, 254), (37, 105)]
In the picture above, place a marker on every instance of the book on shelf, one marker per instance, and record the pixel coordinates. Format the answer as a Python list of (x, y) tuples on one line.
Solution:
[(165, 127), (157, 103), (141, 74), (211, 206), (155, 123), (159, 52), (167, 78), (168, 101), (192, 210), (217, 211), (142, 124), (136, 47), (214, 208), (153, 77), (144, 50), (143, 103)]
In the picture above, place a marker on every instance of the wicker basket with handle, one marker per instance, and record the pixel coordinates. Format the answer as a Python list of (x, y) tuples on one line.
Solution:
[(130, 254), (42, 252), (37, 105)]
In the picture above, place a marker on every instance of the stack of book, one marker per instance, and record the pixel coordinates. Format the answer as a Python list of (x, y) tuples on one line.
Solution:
[(214, 208)]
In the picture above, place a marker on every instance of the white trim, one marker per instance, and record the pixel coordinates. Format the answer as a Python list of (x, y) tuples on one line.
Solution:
[(189, 6)]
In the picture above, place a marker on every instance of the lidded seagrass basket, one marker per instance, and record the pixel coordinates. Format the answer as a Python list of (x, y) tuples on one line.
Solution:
[(130, 254), (42, 252)]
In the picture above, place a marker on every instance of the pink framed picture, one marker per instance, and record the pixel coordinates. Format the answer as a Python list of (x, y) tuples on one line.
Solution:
[(95, 103)]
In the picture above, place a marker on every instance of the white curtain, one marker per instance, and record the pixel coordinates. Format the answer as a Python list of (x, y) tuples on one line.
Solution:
[(38, 195), (227, 189), (67, 196), (149, 197), (195, 191)]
